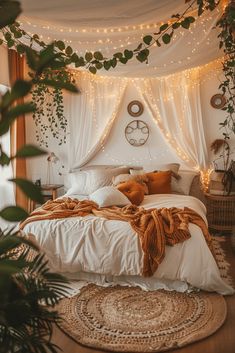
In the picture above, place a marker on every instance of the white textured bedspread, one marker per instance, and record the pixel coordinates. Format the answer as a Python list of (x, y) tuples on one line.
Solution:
[(108, 251)]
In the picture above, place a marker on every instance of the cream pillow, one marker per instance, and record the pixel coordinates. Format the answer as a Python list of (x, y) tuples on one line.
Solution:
[(85, 182), (182, 186), (109, 196)]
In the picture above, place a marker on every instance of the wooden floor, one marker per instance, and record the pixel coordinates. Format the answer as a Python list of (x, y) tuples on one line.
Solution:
[(223, 341)]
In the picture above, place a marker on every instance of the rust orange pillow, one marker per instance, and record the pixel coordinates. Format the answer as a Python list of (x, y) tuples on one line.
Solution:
[(159, 183), (133, 191)]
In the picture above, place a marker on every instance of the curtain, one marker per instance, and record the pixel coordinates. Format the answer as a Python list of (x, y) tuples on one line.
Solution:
[(112, 26), (174, 104), (92, 114), (18, 139)]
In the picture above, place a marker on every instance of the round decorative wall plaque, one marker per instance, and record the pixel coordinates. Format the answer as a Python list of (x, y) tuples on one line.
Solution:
[(218, 101), (137, 132), (135, 108)]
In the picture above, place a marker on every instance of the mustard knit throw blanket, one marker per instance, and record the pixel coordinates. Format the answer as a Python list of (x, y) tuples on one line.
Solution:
[(156, 228)]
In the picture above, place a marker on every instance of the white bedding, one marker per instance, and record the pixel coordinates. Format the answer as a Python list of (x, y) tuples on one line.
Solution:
[(107, 251)]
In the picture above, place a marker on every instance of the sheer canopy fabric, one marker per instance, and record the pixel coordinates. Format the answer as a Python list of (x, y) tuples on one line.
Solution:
[(91, 115), (110, 26), (173, 102)]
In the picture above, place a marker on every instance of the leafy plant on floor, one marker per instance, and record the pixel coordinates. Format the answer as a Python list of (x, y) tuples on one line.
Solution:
[(28, 290), (50, 104)]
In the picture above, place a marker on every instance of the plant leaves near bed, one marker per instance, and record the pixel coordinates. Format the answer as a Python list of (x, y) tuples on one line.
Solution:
[(60, 85), (30, 189), (29, 151), (13, 214), (9, 11)]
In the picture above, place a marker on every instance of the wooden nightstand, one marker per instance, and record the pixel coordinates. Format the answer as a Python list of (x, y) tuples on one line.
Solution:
[(49, 191), (220, 212)]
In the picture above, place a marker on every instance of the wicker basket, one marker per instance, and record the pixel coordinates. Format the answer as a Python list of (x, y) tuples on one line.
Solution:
[(220, 211)]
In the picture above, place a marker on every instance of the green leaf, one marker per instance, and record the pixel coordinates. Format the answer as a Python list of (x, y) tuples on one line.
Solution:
[(147, 39), (74, 57), (107, 65), (69, 50), (60, 45), (20, 48), (99, 66), (29, 151), (61, 85), (92, 69), (32, 58), (10, 43), (20, 89), (176, 25), (19, 110), (123, 60), (185, 23), (118, 55), (191, 19), (9, 11), (163, 27), (88, 56), (7, 35), (128, 54), (13, 214), (4, 159), (166, 38), (29, 189), (98, 55)]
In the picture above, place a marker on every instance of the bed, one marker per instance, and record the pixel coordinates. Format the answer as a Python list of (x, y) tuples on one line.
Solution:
[(108, 252)]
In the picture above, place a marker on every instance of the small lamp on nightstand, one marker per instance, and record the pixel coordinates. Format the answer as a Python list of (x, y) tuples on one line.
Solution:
[(51, 159)]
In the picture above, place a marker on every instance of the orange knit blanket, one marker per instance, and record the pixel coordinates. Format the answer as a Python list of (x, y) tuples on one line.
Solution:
[(156, 228)]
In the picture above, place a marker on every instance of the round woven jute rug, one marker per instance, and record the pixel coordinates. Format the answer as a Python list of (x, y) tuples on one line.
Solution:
[(128, 319)]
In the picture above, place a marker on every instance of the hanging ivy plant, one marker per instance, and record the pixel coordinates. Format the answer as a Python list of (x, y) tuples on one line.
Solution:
[(49, 115)]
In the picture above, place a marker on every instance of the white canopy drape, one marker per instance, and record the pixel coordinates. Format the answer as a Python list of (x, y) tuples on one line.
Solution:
[(91, 115), (174, 103), (111, 26)]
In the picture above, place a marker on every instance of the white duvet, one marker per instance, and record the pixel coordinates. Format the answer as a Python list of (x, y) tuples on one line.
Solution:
[(109, 252)]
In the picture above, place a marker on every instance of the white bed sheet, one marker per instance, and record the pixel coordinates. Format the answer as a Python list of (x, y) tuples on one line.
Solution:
[(108, 252)]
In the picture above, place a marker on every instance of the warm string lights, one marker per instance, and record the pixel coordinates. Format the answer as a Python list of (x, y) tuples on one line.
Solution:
[(205, 178), (83, 39)]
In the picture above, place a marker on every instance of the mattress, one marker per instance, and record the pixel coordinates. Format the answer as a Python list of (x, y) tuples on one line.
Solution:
[(109, 252)]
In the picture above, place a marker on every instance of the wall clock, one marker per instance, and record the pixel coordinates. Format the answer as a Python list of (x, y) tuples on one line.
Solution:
[(218, 101), (137, 132), (135, 108)]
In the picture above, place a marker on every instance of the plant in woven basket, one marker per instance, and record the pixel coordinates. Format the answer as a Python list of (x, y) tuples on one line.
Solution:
[(222, 147), (27, 290)]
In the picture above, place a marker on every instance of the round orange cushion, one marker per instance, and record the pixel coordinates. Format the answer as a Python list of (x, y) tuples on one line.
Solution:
[(159, 183), (133, 191)]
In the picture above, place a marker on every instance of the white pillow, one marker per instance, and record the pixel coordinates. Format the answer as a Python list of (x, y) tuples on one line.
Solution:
[(183, 185), (85, 182), (109, 196), (162, 167)]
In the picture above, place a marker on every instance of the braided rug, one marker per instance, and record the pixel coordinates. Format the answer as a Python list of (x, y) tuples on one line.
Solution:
[(128, 319)]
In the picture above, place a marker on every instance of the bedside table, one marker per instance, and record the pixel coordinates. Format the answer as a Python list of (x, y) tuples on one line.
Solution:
[(50, 192), (220, 212)]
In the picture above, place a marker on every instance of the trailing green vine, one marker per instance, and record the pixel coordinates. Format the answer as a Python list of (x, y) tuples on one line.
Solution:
[(15, 37), (49, 113), (227, 42)]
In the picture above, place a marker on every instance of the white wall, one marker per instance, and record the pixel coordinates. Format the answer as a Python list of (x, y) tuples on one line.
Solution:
[(118, 151)]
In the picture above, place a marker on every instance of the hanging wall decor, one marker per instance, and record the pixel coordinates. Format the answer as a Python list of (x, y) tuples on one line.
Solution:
[(137, 132), (218, 101), (135, 108)]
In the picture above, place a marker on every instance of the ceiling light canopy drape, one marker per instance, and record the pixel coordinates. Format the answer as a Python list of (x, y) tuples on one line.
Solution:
[(111, 26)]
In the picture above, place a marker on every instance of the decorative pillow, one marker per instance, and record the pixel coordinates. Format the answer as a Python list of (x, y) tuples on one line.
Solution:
[(174, 167), (133, 191), (87, 181), (159, 183), (183, 185), (122, 178), (109, 196)]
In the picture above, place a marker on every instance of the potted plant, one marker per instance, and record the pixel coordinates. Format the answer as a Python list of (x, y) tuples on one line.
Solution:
[(223, 176)]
